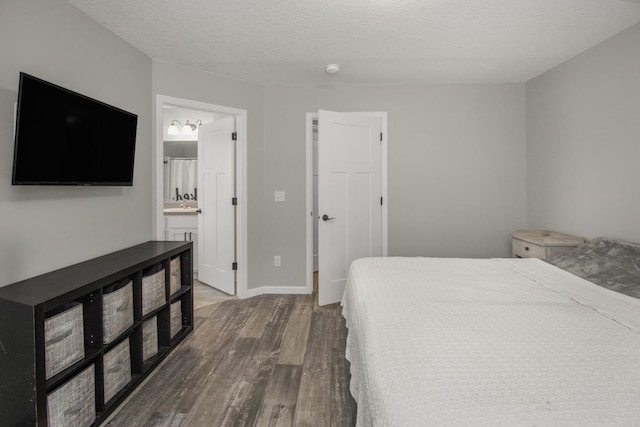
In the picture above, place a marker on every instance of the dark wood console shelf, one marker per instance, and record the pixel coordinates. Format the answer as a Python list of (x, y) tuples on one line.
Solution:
[(25, 305)]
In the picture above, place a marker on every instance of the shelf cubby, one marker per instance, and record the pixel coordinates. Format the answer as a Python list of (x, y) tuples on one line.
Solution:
[(24, 307)]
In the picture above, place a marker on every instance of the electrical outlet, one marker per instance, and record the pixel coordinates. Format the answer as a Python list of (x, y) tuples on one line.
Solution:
[(276, 261)]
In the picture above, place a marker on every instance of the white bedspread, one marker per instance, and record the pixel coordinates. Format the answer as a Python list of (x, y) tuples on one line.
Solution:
[(498, 342)]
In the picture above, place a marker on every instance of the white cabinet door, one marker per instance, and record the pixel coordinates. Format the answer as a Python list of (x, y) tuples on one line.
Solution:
[(179, 234), (184, 234), (349, 192)]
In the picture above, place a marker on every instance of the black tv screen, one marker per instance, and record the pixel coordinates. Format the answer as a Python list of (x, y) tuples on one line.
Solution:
[(65, 138)]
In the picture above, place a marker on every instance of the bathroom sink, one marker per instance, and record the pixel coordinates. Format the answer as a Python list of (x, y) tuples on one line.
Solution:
[(180, 211)]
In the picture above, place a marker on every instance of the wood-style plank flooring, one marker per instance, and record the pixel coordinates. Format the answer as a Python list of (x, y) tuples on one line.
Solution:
[(271, 360)]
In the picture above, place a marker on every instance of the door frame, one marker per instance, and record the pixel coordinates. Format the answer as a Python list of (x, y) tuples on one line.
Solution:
[(312, 216), (240, 171)]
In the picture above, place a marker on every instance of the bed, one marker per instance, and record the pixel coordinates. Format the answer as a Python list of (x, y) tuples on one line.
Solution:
[(457, 342)]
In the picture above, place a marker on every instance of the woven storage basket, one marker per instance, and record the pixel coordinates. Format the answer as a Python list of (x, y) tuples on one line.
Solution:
[(117, 369), (176, 318), (63, 339), (73, 404), (117, 310), (149, 338), (153, 292), (174, 277)]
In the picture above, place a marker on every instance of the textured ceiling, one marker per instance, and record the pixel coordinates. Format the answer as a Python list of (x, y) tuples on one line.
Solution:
[(289, 42)]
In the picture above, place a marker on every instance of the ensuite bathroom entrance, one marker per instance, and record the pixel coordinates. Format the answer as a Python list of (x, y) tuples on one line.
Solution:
[(200, 187)]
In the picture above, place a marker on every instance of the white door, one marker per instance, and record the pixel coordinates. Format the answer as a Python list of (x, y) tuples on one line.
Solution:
[(349, 197), (216, 188)]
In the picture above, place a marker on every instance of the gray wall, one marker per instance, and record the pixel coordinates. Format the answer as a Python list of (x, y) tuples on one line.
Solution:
[(44, 228), (457, 169), (180, 82), (583, 142), (457, 164)]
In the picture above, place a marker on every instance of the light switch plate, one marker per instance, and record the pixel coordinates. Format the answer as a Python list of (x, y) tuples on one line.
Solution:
[(279, 196)]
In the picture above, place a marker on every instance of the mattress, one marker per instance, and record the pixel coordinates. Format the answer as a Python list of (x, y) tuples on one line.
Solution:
[(441, 341)]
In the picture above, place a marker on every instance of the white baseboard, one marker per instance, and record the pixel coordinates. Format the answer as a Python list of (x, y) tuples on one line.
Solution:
[(284, 290)]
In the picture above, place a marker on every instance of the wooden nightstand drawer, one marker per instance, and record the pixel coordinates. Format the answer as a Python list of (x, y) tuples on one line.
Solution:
[(542, 243), (524, 249)]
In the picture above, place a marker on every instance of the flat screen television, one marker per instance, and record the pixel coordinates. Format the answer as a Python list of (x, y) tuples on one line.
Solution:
[(65, 138)]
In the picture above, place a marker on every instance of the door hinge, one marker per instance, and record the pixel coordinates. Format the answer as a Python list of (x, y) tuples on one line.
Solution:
[(380, 136), (234, 136), (381, 201), (234, 201), (234, 266)]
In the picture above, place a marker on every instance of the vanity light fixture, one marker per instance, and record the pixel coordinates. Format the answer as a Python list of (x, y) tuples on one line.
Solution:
[(187, 128), (173, 129), (190, 128)]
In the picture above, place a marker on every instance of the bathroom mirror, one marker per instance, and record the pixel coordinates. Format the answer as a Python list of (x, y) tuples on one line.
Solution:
[(180, 172)]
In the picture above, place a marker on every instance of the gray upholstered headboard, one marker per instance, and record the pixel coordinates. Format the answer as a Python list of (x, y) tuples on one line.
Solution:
[(610, 263)]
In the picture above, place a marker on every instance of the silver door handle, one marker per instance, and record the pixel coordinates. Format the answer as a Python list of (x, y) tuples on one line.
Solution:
[(327, 218)]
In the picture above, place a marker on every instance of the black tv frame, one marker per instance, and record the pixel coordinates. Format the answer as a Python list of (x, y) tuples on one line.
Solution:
[(15, 181)]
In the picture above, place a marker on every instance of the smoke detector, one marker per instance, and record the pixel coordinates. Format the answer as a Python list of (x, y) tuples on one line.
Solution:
[(332, 68)]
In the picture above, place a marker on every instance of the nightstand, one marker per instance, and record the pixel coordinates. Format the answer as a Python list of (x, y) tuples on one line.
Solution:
[(542, 243)]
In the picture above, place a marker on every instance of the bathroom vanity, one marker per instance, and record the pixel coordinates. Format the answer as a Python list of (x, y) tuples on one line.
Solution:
[(181, 224)]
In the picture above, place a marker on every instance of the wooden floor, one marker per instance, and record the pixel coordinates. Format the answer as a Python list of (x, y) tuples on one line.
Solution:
[(264, 361)]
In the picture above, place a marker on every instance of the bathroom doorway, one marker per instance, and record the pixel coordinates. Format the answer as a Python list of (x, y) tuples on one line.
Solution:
[(179, 202), (180, 130)]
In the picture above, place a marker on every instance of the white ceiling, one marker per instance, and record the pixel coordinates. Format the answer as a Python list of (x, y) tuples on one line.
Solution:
[(289, 42)]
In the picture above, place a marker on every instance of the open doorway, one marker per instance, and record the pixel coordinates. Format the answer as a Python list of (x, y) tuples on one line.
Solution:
[(180, 130), (179, 191), (346, 196)]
